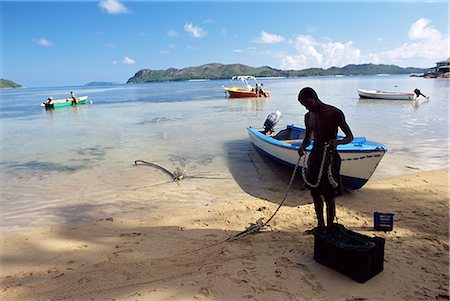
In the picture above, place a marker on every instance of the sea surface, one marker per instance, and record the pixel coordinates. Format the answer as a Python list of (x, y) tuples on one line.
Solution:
[(54, 156)]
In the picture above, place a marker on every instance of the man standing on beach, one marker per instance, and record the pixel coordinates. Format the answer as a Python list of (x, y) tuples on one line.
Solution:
[(322, 123)]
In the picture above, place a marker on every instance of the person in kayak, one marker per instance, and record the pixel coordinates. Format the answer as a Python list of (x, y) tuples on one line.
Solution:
[(322, 122)]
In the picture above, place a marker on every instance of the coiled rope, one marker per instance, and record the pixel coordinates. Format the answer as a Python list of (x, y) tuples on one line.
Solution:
[(326, 151), (259, 224)]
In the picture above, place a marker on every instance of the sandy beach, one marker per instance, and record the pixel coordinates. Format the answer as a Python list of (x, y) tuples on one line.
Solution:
[(181, 254)]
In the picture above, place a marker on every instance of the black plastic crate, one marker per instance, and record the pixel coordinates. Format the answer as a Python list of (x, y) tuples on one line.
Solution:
[(358, 256)]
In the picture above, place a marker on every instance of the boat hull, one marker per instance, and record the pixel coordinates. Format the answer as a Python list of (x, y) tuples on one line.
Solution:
[(376, 94), (359, 158), (61, 103), (242, 93)]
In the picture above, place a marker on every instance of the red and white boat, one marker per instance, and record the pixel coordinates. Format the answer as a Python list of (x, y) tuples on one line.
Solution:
[(249, 87)]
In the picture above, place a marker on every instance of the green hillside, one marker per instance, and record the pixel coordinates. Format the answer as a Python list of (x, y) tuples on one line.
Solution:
[(7, 84), (220, 71)]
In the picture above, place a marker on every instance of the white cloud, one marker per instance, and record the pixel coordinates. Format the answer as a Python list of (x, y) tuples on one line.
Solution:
[(294, 62), (114, 62), (43, 42), (113, 7), (306, 45), (172, 33), (339, 54), (422, 47), (268, 38), (238, 50), (128, 61), (195, 31), (311, 53), (426, 45), (110, 45), (420, 30)]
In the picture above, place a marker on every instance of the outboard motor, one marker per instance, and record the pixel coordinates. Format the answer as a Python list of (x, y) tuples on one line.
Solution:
[(270, 122), (419, 93)]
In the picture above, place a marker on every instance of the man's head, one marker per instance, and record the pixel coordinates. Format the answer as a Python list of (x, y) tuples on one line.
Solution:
[(308, 98)]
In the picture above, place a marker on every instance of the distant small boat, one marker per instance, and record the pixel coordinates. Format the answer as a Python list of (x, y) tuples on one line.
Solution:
[(359, 158), (251, 88), (377, 94), (59, 103)]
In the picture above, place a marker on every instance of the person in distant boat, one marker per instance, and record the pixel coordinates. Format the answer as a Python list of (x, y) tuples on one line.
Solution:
[(49, 101), (74, 98), (261, 90), (322, 123)]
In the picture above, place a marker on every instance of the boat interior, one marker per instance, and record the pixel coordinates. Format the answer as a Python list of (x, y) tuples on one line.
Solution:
[(290, 135)]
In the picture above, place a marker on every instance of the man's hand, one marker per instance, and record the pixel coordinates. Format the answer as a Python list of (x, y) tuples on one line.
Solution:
[(333, 144), (301, 152)]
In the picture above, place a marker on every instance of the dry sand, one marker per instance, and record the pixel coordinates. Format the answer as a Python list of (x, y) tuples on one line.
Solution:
[(179, 254)]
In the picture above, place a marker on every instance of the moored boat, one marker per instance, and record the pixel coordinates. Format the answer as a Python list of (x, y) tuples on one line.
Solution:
[(251, 88), (59, 103), (377, 94), (359, 157)]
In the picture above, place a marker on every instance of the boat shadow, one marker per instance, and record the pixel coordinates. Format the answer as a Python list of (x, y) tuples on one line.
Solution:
[(262, 177)]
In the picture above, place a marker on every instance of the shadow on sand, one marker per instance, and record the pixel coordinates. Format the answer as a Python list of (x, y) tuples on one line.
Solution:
[(262, 177)]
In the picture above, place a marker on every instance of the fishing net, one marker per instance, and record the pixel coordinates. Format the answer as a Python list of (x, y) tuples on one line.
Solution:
[(343, 238)]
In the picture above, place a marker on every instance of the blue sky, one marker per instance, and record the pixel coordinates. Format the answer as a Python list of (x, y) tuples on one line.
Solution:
[(57, 43)]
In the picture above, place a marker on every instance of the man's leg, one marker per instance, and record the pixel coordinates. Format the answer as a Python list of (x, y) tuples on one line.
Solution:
[(318, 206), (331, 209)]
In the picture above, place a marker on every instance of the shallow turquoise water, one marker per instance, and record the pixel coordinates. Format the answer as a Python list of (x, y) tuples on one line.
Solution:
[(193, 125)]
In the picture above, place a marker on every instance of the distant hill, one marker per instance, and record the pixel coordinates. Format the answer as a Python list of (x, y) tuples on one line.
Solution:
[(101, 84), (7, 84), (221, 71)]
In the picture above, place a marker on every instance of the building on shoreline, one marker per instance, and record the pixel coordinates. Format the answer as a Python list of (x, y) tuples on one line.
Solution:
[(442, 69)]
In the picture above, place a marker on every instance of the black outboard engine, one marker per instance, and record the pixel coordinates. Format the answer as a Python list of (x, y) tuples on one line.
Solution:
[(270, 122), (419, 93)]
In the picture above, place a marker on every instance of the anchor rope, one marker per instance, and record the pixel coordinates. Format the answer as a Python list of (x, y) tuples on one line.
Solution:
[(331, 180), (259, 224)]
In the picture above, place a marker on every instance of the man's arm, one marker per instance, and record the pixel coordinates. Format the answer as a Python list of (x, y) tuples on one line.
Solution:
[(307, 140), (345, 128)]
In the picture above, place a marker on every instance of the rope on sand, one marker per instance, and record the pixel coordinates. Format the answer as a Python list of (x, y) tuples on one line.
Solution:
[(178, 174), (260, 224)]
